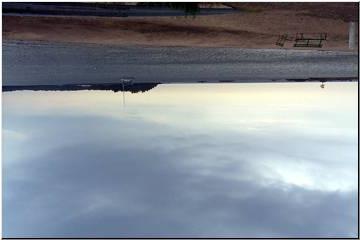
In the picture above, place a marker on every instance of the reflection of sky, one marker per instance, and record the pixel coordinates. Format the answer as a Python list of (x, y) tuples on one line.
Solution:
[(231, 160)]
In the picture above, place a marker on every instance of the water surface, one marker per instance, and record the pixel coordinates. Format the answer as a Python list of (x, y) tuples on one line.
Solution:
[(182, 160), (27, 63)]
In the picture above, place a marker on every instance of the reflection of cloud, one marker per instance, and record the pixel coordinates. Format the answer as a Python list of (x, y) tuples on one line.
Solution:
[(87, 169), (300, 159), (119, 178), (12, 135), (88, 190)]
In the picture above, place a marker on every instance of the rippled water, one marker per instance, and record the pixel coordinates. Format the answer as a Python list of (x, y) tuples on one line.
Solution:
[(218, 160), (39, 63)]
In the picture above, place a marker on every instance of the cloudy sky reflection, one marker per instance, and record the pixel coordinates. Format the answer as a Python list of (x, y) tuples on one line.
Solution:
[(230, 160)]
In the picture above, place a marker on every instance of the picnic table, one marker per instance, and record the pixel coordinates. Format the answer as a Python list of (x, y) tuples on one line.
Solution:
[(303, 39), (309, 39)]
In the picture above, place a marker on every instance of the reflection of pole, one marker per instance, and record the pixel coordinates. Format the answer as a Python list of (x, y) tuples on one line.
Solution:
[(123, 90)]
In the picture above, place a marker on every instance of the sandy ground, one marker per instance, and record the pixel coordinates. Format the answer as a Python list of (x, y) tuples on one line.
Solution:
[(246, 29)]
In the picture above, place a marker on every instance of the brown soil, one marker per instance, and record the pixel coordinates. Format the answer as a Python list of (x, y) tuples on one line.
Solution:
[(251, 28), (347, 11)]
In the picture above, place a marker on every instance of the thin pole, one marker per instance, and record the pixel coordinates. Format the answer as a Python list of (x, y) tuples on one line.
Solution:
[(352, 35)]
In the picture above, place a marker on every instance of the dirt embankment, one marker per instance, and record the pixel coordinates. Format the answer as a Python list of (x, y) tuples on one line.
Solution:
[(249, 28)]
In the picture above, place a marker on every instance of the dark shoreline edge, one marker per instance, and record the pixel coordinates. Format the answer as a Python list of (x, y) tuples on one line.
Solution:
[(146, 86), (115, 87)]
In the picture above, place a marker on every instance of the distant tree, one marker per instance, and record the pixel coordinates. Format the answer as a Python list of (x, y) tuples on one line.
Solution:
[(189, 8)]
